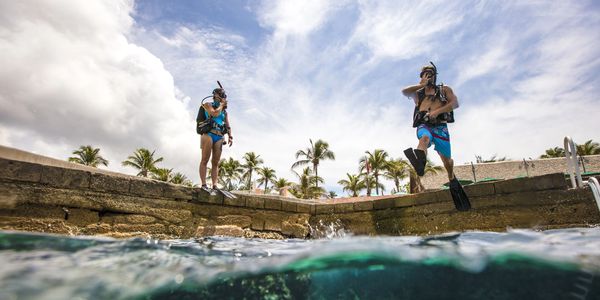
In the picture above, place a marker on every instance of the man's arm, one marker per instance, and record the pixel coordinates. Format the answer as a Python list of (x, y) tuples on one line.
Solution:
[(449, 106), (410, 91)]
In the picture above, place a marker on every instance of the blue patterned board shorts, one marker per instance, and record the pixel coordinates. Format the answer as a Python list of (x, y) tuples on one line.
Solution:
[(438, 135)]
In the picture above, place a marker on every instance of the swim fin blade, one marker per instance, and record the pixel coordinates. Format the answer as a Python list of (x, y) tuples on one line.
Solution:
[(226, 194), (417, 159), (461, 201)]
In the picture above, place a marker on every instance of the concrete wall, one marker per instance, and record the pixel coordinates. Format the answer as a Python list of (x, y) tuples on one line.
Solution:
[(509, 169), (40, 196)]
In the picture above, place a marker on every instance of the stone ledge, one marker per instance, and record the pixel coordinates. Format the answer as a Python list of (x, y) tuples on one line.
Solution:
[(106, 183), (20, 171), (65, 178), (545, 182)]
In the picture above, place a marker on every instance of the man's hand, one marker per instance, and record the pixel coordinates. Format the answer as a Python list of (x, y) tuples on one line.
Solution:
[(425, 80), (433, 114)]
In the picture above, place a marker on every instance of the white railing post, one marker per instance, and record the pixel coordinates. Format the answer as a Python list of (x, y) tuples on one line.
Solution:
[(572, 164)]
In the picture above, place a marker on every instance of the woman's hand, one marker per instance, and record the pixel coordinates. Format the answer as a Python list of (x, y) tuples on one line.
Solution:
[(230, 140)]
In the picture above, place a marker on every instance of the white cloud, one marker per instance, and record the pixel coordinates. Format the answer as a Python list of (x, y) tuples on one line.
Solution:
[(295, 17), (405, 29), (71, 78)]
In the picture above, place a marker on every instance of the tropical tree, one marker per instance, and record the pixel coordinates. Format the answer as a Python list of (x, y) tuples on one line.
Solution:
[(368, 180), (142, 160), (313, 155), (415, 181), (162, 174), (588, 148), (352, 184), (332, 194), (377, 163), (282, 183), (179, 178), (494, 158), (266, 175), (89, 156), (251, 163), (230, 170), (397, 170), (554, 152), (307, 187)]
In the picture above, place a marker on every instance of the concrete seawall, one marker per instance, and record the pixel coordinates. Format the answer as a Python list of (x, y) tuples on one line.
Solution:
[(47, 195)]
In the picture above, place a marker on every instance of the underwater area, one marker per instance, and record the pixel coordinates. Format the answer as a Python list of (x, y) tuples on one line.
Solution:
[(518, 264)]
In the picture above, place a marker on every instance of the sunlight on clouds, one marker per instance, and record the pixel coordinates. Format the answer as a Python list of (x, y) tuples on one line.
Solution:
[(295, 17), (405, 29)]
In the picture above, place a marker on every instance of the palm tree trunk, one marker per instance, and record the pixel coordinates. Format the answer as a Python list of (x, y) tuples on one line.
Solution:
[(377, 183), (250, 181), (316, 175)]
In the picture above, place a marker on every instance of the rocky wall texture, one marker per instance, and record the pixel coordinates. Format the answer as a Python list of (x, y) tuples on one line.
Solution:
[(58, 199)]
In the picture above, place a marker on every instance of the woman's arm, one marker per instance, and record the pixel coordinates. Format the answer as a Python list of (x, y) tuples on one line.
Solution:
[(230, 142), (214, 112)]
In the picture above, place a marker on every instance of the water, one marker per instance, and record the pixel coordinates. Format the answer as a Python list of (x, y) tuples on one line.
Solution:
[(520, 264)]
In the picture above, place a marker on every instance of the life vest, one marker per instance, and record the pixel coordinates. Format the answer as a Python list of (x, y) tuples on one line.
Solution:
[(206, 123), (419, 116)]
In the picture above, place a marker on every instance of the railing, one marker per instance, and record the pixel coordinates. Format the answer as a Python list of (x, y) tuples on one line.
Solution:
[(575, 174)]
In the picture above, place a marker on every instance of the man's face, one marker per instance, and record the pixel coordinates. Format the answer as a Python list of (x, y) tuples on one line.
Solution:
[(427, 73)]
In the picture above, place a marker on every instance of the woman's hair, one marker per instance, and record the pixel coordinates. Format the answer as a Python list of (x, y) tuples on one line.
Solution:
[(220, 92)]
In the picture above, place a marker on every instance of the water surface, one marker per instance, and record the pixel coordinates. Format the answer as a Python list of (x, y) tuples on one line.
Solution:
[(519, 264)]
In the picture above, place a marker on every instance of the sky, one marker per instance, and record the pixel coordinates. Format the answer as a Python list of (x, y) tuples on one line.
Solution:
[(122, 74)]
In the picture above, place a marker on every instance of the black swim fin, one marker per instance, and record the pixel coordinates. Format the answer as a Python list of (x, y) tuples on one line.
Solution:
[(207, 190), (226, 194), (461, 201), (417, 159)]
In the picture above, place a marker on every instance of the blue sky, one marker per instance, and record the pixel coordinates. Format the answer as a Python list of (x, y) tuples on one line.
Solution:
[(126, 74)]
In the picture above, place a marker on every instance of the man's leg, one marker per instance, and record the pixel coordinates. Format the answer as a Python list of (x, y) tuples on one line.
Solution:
[(206, 148), (217, 147), (449, 165)]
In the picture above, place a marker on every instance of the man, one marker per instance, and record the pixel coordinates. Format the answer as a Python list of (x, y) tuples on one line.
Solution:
[(434, 105)]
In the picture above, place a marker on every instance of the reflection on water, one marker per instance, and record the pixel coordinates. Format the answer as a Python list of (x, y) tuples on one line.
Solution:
[(521, 264)]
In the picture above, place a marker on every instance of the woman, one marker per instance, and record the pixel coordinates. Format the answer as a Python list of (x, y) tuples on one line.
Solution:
[(212, 142)]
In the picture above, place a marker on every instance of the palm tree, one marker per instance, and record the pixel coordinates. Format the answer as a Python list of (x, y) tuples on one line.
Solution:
[(588, 148), (353, 185), (554, 152), (368, 180), (143, 160), (162, 174), (282, 183), (179, 178), (415, 180), (252, 162), (307, 185), (313, 155), (266, 175), (87, 155), (229, 170), (377, 162), (332, 194), (397, 170)]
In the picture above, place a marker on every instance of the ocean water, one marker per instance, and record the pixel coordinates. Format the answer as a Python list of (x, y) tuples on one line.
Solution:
[(519, 264)]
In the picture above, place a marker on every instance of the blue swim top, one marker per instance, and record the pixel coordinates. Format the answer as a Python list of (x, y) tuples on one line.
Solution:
[(220, 119)]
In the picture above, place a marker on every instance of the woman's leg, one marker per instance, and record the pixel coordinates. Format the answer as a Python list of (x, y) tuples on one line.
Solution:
[(206, 148), (216, 157)]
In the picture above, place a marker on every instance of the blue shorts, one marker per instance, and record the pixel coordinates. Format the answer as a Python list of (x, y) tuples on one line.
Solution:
[(438, 135)]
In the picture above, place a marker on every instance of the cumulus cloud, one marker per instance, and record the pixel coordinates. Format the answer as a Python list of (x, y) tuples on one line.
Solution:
[(70, 77)]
